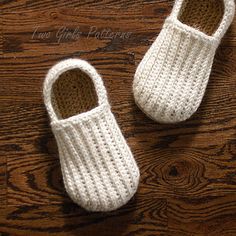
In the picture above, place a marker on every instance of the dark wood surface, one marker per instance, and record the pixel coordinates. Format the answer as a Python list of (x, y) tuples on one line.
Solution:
[(188, 170)]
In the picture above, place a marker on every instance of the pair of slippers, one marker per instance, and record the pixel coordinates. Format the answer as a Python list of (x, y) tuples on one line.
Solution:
[(99, 170)]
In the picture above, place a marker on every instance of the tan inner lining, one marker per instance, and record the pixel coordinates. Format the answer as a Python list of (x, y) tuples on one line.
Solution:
[(73, 93), (204, 15)]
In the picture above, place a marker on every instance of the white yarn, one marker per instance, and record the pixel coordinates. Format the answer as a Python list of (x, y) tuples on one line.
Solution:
[(170, 81), (99, 171)]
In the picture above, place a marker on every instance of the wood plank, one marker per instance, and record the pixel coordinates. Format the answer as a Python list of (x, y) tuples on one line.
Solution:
[(3, 159), (3, 185), (9, 6), (142, 216), (203, 216)]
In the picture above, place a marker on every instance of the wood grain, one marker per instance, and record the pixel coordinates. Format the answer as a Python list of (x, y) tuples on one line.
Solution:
[(188, 170), (203, 216), (140, 217), (3, 159)]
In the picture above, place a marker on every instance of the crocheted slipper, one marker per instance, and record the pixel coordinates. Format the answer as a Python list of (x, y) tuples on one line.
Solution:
[(170, 81), (99, 171)]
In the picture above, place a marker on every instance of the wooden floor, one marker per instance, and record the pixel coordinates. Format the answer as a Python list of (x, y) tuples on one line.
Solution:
[(188, 170)]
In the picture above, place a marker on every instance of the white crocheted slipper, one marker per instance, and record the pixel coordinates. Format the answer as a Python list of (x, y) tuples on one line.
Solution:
[(170, 81), (99, 171)]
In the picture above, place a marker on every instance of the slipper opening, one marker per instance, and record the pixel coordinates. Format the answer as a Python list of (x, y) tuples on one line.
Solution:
[(73, 93), (203, 15)]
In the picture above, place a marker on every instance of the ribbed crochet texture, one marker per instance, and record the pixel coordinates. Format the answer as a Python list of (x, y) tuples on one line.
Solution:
[(170, 81), (99, 171)]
